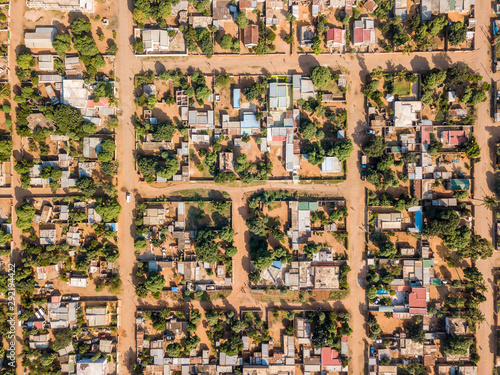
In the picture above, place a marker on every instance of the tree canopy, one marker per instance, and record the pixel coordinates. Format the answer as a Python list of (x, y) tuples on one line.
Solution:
[(320, 75)]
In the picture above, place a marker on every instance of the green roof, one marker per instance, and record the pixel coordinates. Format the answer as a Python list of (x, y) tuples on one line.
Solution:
[(313, 205), (303, 206), (435, 281), (459, 184), (428, 263)]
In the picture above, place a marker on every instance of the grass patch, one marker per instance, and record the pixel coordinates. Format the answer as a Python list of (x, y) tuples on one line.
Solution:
[(333, 88), (401, 87), (439, 116), (336, 295)]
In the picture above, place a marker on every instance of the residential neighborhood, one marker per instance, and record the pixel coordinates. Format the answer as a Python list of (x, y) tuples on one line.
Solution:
[(254, 187)]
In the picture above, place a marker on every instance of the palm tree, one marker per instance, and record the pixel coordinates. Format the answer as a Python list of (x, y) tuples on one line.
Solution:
[(490, 202)]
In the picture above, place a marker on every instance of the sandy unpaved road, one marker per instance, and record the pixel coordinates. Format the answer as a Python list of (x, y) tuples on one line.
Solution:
[(353, 189)]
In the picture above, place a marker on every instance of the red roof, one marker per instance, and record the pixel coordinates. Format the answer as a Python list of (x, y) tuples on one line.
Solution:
[(425, 134), (38, 325), (417, 298), (366, 35), (250, 34), (358, 35), (329, 35), (279, 138), (103, 102), (55, 299), (335, 35), (454, 137), (330, 357), (344, 339)]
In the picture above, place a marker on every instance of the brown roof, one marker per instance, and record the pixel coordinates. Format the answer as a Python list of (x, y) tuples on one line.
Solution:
[(251, 35)]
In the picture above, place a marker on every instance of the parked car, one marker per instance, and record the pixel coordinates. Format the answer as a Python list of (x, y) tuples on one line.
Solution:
[(370, 131)]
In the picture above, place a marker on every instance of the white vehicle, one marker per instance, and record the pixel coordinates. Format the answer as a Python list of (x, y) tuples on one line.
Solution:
[(127, 197)]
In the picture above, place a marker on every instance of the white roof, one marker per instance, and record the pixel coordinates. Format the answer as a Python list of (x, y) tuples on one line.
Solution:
[(74, 93)]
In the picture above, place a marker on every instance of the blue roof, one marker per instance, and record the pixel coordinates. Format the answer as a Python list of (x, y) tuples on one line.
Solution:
[(250, 121), (113, 226), (236, 98), (174, 289), (419, 220), (277, 264)]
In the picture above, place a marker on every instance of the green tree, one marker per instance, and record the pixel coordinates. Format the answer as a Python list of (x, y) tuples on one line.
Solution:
[(25, 60), (433, 78), (105, 154), (62, 44), (80, 26), (242, 20), (320, 76), (205, 246), (226, 41), (490, 202), (437, 24), (471, 149), (108, 209), (457, 345), (375, 147), (25, 215), (69, 122), (457, 32), (164, 131), (170, 168), (87, 186), (233, 345), (174, 350), (140, 243), (5, 150)]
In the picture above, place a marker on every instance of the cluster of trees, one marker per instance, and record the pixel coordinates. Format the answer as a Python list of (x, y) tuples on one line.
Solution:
[(386, 247), (382, 176), (456, 75), (317, 151), (86, 46), (396, 35), (25, 215), (424, 32), (250, 324), (207, 247), (93, 251), (387, 200), (5, 150), (154, 283), (258, 89), (464, 303), (328, 329), (159, 11), (261, 228), (164, 166), (251, 172), (202, 38), (70, 122), (380, 279), (25, 62), (229, 43), (445, 222), (335, 215), (266, 40), (108, 208)]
